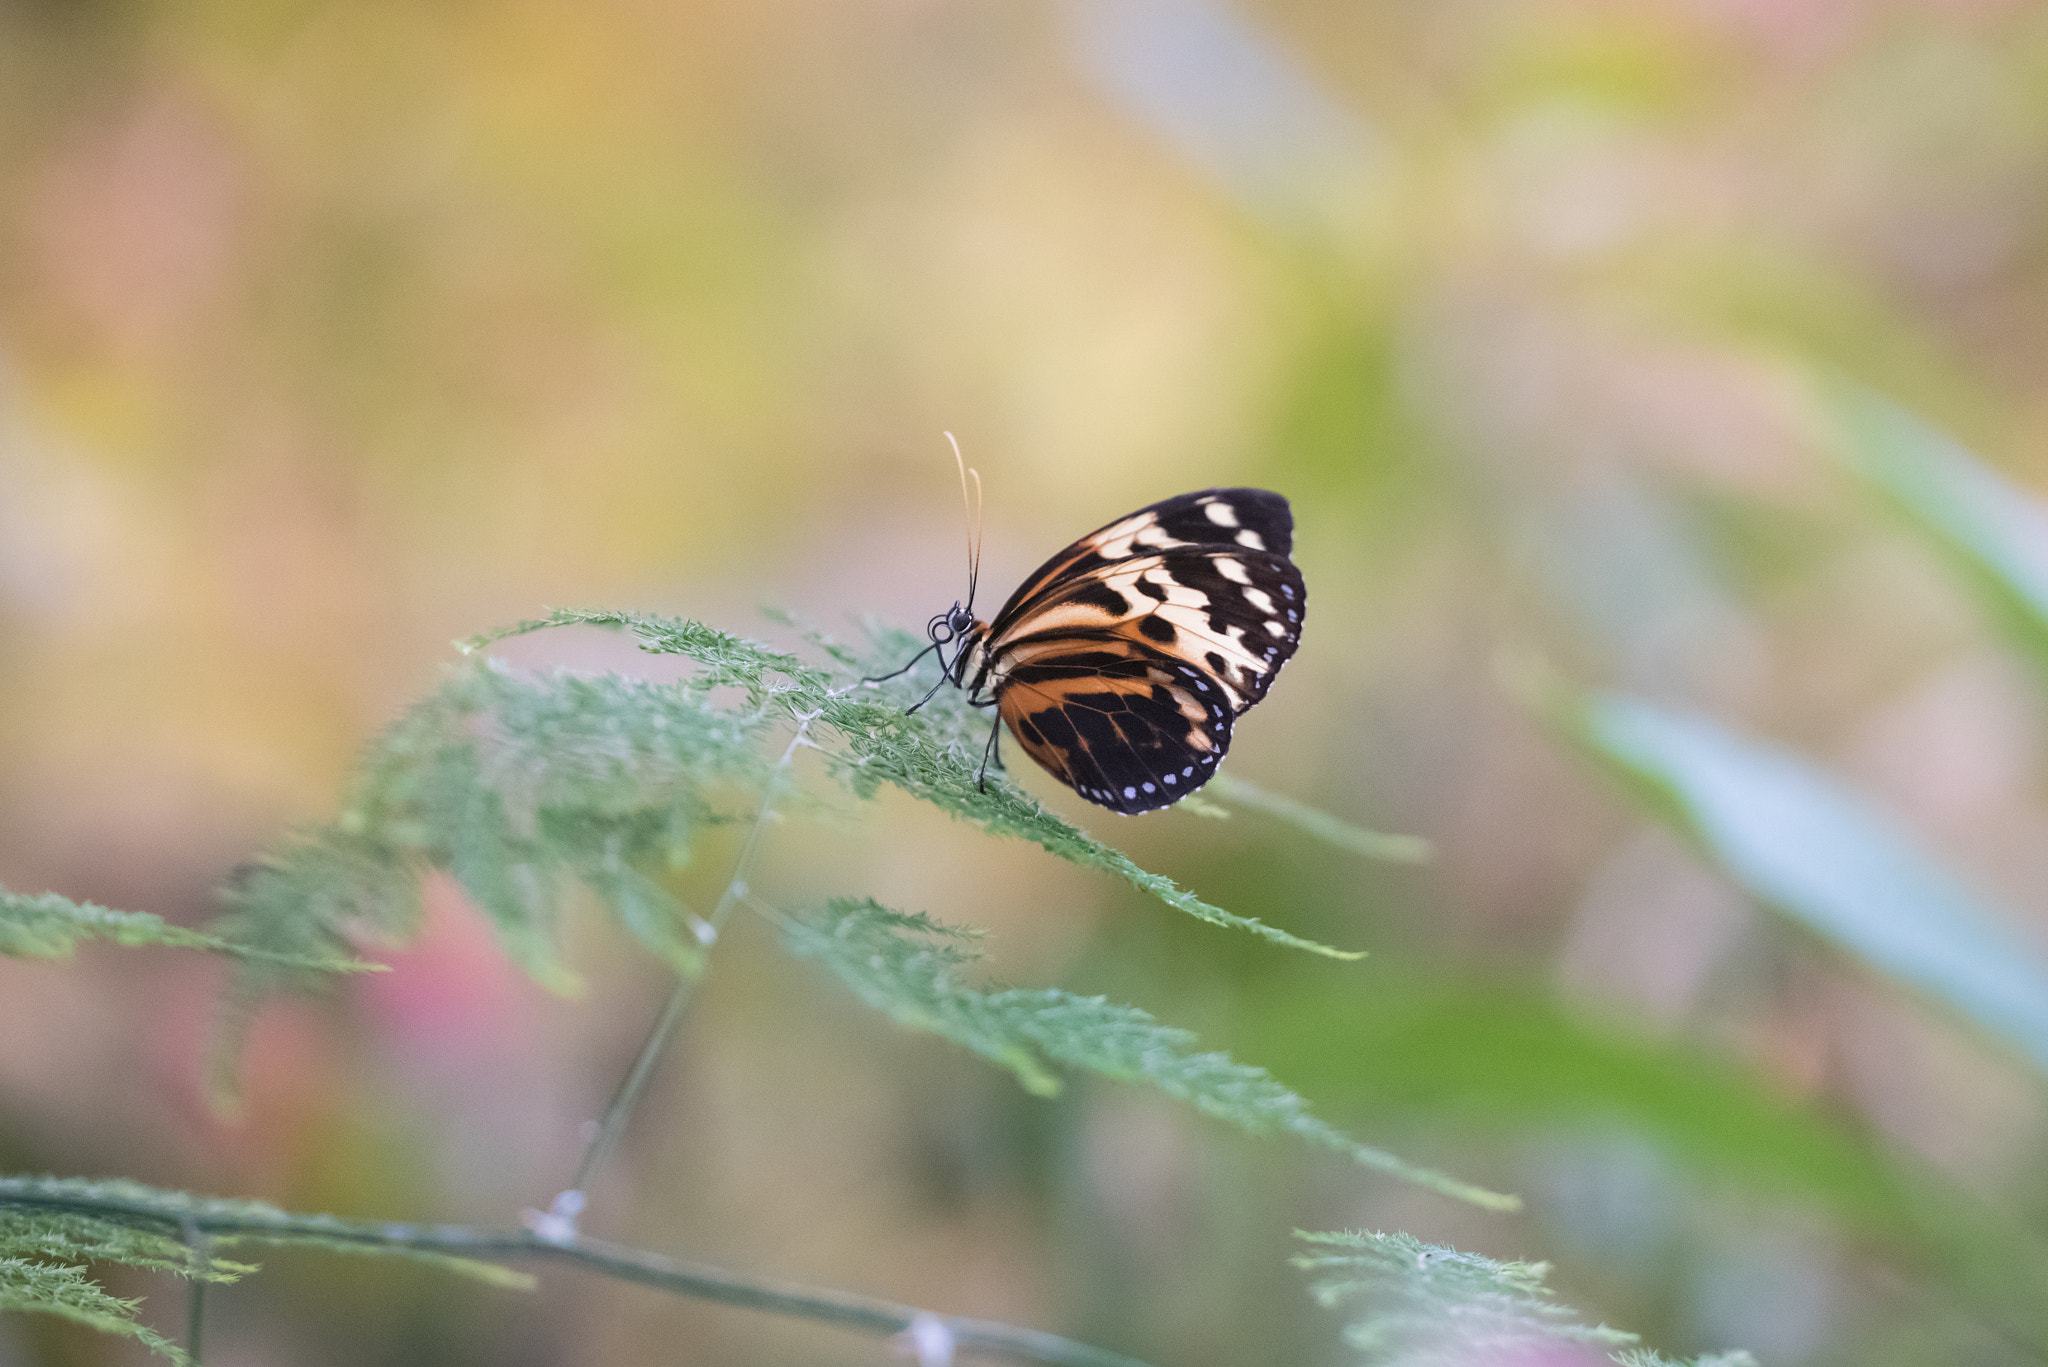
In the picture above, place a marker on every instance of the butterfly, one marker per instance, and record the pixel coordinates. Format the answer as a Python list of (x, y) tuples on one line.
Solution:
[(1123, 662)]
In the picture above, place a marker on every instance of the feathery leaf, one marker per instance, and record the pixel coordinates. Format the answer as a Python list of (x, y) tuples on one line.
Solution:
[(524, 786), (1431, 1306), (46, 926), (906, 966), (70, 1293), (116, 1205)]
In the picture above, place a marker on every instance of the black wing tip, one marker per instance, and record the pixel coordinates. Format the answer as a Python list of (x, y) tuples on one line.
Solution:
[(1139, 796), (1258, 510)]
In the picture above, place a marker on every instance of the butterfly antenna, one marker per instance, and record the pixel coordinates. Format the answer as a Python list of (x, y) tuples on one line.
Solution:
[(974, 570), (972, 507)]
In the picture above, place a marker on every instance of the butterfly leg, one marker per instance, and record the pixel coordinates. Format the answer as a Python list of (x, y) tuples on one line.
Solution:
[(944, 679), (878, 678), (993, 750)]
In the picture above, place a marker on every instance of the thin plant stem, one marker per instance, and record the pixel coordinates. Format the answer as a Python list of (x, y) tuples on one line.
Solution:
[(569, 1204), (201, 1245), (230, 1222)]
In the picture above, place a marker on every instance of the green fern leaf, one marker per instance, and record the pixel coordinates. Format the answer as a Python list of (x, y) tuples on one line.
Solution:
[(45, 1251), (46, 926), (522, 787), (125, 1215), (527, 786), (933, 754), (73, 1237), (906, 966), (69, 1293), (1430, 1306)]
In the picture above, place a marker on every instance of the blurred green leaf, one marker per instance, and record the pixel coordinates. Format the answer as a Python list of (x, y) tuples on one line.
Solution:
[(46, 926), (1383, 845), (1803, 844), (1982, 522), (1431, 1306), (1505, 1057)]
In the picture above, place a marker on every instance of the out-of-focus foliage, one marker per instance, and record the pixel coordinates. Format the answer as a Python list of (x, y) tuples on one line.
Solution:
[(1990, 528), (45, 1258), (46, 926), (1397, 849), (53, 1231), (515, 784), (1433, 1305), (1800, 844)]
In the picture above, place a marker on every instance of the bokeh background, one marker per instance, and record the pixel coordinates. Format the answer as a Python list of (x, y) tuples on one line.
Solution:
[(332, 331)]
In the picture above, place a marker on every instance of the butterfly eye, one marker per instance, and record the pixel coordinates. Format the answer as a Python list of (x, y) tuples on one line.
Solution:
[(960, 620)]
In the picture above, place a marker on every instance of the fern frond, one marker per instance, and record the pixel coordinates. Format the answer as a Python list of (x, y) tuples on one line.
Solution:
[(525, 786), (44, 1257), (906, 966), (74, 1237), (1430, 1306), (520, 786), (46, 926), (462, 1248), (933, 755), (127, 1213), (70, 1293)]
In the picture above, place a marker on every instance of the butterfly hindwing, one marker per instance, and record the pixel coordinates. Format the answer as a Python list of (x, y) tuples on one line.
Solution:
[(1121, 727), (1122, 664)]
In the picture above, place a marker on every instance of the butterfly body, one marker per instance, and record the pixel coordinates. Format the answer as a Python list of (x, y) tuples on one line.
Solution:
[(1122, 664)]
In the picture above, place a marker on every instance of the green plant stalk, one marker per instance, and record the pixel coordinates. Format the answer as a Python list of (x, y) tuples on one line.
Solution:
[(1382, 845), (612, 1128), (697, 1280), (195, 1299)]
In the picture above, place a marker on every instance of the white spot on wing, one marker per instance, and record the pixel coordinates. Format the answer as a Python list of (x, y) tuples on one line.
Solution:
[(1232, 570), (1277, 628), (1222, 514), (1260, 599), (1250, 538)]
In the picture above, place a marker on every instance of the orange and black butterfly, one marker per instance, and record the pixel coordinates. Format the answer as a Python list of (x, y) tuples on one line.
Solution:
[(1123, 662)]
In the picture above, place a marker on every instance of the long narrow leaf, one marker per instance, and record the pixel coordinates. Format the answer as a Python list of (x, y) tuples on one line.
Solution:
[(1988, 526), (1806, 846)]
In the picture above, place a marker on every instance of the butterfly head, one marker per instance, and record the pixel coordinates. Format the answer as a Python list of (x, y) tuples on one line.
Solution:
[(951, 625)]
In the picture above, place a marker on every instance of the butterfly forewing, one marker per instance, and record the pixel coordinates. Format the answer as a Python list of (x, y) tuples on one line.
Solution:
[(1121, 665), (1247, 519)]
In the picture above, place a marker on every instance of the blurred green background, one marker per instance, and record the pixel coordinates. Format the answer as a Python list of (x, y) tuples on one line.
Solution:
[(331, 332)]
